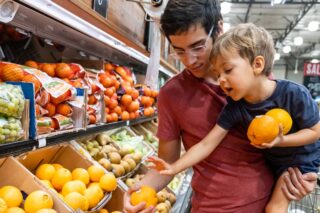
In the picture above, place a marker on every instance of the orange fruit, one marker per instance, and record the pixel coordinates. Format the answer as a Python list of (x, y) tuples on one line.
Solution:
[(81, 174), (126, 100), (73, 186), (34, 80), (45, 171), (11, 195), (108, 182), (15, 210), (38, 200), (51, 108), (63, 70), (60, 177), (57, 166), (94, 184), (95, 173), (3, 206), (12, 72), (282, 117), (46, 211), (31, 63), (64, 109), (93, 194), (262, 129), (77, 201), (144, 194), (103, 211), (49, 69), (125, 116)]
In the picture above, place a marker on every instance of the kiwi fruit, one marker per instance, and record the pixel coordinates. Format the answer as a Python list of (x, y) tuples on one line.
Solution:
[(118, 170), (126, 166), (106, 164), (114, 157)]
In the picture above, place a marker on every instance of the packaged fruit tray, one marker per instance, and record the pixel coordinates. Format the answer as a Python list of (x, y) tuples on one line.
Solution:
[(101, 149)]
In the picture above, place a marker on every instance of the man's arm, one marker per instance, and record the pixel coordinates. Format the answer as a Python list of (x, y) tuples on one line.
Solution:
[(170, 152)]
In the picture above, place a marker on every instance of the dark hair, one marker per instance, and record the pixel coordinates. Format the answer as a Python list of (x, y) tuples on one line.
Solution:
[(180, 15)]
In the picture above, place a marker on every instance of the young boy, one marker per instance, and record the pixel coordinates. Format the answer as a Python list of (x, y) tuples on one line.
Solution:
[(243, 59)]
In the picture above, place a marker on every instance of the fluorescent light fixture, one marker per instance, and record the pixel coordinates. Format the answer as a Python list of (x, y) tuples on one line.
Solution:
[(313, 26), (225, 7), (286, 49), (273, 2), (226, 27), (315, 61), (298, 41), (277, 56)]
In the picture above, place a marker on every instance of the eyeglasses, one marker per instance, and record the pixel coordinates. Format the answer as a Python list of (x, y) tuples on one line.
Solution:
[(194, 51)]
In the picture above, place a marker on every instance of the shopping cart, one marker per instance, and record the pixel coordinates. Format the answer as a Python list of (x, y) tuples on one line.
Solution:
[(309, 204)]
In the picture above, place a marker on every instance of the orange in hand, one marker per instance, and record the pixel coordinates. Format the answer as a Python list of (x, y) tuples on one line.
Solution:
[(144, 194)]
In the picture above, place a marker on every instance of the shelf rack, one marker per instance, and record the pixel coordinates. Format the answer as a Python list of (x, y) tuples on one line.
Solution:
[(16, 148)]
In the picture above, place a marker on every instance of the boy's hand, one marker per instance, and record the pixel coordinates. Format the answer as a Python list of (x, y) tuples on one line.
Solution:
[(161, 166), (278, 140)]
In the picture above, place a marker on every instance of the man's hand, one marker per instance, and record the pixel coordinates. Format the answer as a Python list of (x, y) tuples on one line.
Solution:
[(161, 166), (297, 184), (127, 207)]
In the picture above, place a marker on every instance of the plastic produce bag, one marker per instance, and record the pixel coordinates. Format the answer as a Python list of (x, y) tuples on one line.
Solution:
[(11, 100), (10, 129)]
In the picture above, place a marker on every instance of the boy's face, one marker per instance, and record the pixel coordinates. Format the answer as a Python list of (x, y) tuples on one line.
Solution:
[(194, 48), (235, 74)]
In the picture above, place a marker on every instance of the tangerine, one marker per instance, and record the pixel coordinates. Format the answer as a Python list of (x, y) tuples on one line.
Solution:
[(45, 171), (38, 200), (11, 195), (282, 117), (263, 129), (144, 194)]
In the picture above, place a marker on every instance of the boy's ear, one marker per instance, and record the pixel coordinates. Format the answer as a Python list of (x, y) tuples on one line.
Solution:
[(258, 64), (220, 28)]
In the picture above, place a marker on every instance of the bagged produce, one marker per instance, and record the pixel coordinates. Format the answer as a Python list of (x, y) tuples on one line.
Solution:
[(11, 100), (10, 129)]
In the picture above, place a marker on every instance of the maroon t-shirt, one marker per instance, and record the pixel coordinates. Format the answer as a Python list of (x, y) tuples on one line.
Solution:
[(234, 178)]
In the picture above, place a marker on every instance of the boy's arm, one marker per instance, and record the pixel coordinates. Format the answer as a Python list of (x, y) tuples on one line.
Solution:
[(194, 155), (302, 137)]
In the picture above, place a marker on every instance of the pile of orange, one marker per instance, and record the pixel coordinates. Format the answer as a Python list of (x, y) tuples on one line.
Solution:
[(80, 189), (11, 200)]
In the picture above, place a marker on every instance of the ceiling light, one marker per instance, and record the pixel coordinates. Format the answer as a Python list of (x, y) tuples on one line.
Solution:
[(286, 49), (314, 61), (225, 7), (273, 2), (298, 41), (313, 26), (277, 56), (226, 27)]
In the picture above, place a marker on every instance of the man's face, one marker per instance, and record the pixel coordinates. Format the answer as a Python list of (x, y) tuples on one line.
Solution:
[(197, 63)]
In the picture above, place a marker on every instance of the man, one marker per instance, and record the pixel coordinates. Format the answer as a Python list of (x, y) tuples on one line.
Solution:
[(235, 177)]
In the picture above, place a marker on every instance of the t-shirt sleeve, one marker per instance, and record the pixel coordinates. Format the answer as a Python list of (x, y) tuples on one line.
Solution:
[(305, 110), (168, 127), (226, 118)]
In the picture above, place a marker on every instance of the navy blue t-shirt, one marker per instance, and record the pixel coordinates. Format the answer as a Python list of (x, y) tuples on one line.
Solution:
[(297, 101)]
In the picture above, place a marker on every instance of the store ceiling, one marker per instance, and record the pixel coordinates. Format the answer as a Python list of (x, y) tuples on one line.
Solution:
[(284, 21)]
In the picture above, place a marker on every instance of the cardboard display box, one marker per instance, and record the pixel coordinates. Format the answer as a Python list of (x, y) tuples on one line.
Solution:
[(15, 174), (63, 154)]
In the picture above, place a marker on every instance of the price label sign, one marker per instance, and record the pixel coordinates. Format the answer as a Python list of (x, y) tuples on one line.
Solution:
[(100, 6), (312, 78)]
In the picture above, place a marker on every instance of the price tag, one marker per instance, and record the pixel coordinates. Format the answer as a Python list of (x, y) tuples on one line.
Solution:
[(42, 142), (128, 123)]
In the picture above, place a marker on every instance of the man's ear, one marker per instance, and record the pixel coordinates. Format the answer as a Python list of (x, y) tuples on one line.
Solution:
[(258, 64), (220, 30)]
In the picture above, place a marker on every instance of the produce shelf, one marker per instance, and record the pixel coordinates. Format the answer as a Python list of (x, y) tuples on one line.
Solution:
[(16, 148)]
